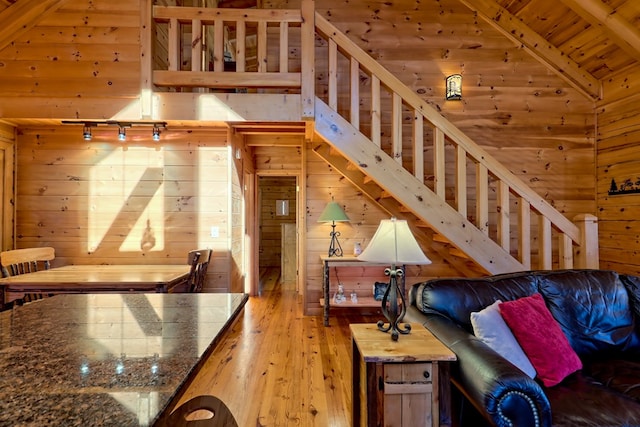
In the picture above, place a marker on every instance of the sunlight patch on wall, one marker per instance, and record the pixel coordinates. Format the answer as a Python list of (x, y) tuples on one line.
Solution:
[(126, 200)]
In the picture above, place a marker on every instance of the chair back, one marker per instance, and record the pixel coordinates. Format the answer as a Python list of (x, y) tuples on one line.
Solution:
[(214, 413), (21, 261), (199, 261)]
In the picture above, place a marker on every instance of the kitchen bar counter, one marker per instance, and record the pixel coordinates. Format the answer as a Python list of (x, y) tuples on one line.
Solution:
[(106, 359)]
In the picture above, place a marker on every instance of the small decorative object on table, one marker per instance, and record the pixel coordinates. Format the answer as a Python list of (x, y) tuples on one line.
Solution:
[(378, 290), (339, 297), (357, 249)]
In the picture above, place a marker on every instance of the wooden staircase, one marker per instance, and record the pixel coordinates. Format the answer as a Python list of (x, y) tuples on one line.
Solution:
[(472, 211)]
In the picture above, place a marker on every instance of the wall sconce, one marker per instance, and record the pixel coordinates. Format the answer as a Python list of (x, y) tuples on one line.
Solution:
[(454, 87)]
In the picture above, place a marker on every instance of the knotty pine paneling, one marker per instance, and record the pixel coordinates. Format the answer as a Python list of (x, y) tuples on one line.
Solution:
[(618, 158), (522, 114), (323, 184), (7, 185), (105, 201), (83, 49), (270, 190)]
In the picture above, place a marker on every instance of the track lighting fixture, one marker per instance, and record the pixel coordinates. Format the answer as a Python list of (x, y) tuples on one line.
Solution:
[(122, 127)]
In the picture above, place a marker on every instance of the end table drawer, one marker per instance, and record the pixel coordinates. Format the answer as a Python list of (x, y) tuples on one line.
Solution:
[(408, 372)]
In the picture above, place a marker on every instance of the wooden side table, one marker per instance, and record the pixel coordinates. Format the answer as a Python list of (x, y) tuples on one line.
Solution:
[(396, 383)]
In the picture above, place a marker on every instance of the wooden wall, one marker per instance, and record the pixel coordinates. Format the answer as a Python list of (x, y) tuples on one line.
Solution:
[(7, 185), (619, 160), (83, 60), (104, 201), (270, 190)]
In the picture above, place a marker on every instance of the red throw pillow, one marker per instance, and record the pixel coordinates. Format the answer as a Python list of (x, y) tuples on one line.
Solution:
[(541, 338)]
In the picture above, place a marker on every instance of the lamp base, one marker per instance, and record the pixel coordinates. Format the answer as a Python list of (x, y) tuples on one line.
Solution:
[(390, 309), (334, 247)]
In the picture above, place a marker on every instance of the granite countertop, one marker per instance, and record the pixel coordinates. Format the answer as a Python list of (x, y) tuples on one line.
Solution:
[(105, 359)]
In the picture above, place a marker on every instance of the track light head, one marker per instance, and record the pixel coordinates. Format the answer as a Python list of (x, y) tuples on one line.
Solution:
[(86, 132), (156, 133), (122, 133)]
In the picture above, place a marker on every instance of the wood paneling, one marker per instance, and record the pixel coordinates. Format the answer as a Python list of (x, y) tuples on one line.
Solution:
[(104, 201), (272, 189), (619, 160)]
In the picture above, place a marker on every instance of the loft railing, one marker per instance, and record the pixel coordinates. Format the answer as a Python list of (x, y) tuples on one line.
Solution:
[(259, 44), (226, 48)]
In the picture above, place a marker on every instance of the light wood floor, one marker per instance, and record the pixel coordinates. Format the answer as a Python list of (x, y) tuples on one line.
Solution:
[(277, 367)]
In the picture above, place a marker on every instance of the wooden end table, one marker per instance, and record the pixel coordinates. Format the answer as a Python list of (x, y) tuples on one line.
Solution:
[(396, 383)]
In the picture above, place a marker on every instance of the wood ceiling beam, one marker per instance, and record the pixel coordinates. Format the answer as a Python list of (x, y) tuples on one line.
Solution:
[(616, 27), (23, 15), (549, 55)]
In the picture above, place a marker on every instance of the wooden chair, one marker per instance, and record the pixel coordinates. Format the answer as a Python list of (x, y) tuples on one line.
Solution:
[(199, 261), (24, 261), (213, 413)]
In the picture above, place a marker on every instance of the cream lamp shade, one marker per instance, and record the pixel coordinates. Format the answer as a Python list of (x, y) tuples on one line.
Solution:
[(394, 243)]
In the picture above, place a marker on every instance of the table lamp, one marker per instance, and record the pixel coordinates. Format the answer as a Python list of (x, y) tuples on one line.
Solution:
[(394, 243), (333, 213)]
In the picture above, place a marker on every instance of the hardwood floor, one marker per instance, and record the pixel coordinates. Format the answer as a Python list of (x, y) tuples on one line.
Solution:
[(277, 367)]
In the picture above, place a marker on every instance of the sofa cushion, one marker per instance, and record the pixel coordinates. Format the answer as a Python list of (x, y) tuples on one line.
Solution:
[(541, 338), (592, 308), (620, 374), (490, 327), (457, 298), (582, 401)]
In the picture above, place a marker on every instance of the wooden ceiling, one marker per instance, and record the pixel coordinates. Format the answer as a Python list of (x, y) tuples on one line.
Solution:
[(584, 41)]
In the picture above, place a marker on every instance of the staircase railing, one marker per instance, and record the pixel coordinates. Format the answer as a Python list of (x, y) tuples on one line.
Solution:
[(397, 120), (251, 49)]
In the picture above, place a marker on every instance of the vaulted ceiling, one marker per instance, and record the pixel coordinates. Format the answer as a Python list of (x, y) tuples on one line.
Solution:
[(584, 41)]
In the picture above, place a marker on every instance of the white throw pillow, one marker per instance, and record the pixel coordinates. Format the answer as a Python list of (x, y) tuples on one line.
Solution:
[(490, 327)]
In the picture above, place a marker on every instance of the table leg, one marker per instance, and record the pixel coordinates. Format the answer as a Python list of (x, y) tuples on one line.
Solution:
[(325, 289)]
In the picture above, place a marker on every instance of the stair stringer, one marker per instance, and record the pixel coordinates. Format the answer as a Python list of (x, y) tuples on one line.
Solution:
[(437, 252), (414, 195)]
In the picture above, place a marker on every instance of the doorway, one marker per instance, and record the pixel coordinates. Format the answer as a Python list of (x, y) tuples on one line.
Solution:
[(278, 236)]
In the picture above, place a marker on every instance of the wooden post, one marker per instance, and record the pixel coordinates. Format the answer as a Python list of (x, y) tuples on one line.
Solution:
[(587, 254), (307, 89)]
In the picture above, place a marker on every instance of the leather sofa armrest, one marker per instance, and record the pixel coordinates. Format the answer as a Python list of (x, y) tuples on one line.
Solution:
[(501, 392)]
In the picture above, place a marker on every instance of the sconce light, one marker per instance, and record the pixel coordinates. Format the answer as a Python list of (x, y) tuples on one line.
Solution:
[(86, 132), (156, 133), (122, 133), (454, 87)]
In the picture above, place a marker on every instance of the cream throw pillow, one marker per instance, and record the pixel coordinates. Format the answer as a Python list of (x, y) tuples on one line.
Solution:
[(490, 328)]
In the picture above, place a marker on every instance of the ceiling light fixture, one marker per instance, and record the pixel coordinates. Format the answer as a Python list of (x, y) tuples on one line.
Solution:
[(122, 131)]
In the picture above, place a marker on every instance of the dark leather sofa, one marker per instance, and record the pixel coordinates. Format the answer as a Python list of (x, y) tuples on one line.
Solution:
[(598, 311)]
